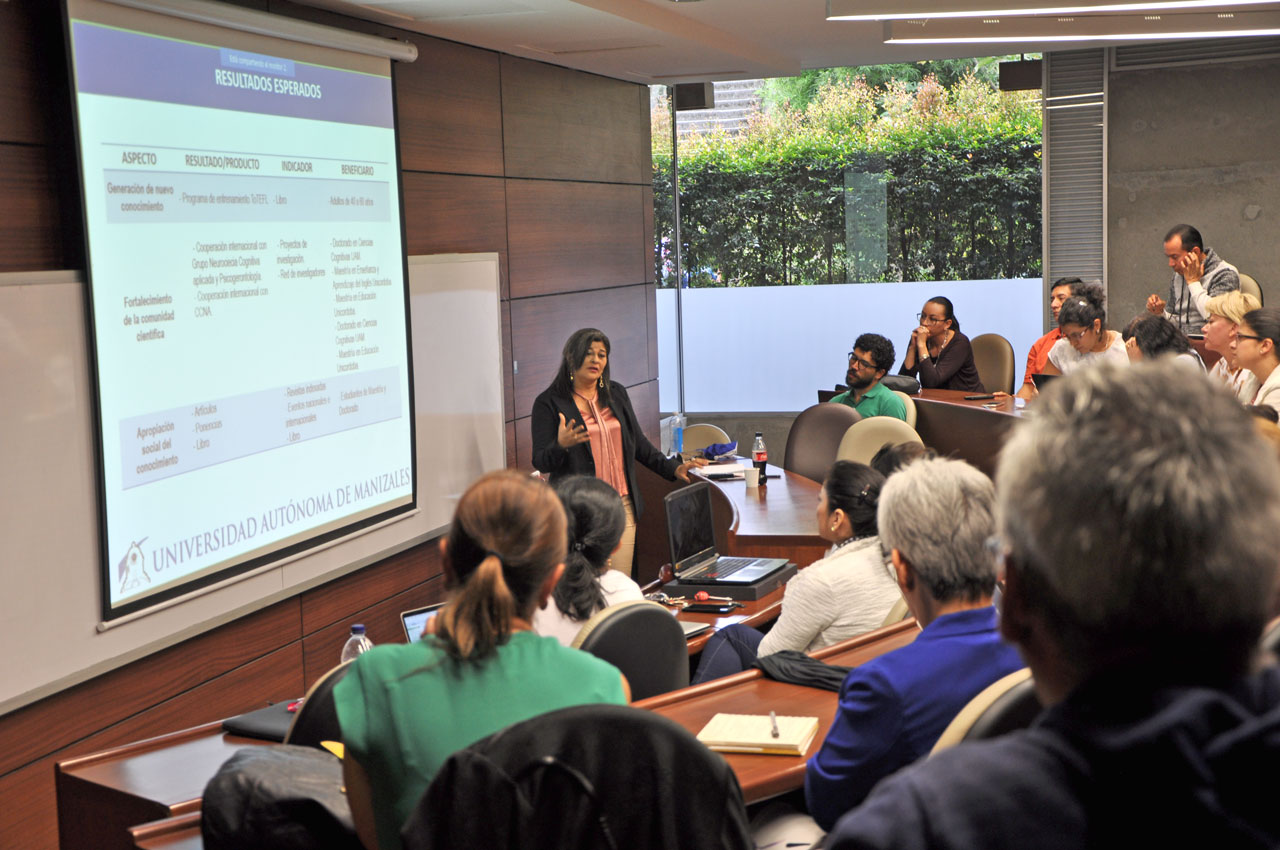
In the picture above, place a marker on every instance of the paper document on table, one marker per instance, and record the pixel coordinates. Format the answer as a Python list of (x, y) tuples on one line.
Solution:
[(753, 733), (721, 471)]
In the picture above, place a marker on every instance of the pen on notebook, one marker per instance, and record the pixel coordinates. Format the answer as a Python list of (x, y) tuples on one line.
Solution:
[(773, 718)]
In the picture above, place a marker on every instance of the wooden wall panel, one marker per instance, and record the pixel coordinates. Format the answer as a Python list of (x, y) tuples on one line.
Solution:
[(32, 73), (512, 458), (341, 599), (27, 734), (508, 375), (644, 398), (524, 445), (646, 201), (540, 326), (651, 313), (41, 229), (450, 109), (28, 819), (454, 214), (573, 236), (566, 125)]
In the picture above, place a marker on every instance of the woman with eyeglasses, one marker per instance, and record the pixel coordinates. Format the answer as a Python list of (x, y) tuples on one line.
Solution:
[(1256, 345), (1225, 313), (1085, 338), (938, 355)]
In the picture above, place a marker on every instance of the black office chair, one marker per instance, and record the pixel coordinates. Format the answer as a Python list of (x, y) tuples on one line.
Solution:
[(607, 776), (815, 437), (317, 719), (1005, 706), (644, 641)]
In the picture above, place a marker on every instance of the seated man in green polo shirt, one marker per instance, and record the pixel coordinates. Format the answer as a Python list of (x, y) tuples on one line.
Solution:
[(871, 358)]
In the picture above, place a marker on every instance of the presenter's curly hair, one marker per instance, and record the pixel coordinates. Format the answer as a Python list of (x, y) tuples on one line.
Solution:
[(508, 534), (596, 522)]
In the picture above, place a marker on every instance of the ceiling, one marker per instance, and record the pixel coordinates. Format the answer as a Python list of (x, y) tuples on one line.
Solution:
[(665, 42)]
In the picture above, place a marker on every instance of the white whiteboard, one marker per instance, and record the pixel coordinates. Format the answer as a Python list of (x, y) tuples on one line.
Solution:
[(50, 604)]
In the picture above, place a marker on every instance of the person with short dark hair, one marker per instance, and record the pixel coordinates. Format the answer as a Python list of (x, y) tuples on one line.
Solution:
[(596, 522), (1085, 338), (1149, 337), (938, 355), (1257, 348), (1198, 274), (872, 357), (893, 456), (1139, 521), (935, 517)]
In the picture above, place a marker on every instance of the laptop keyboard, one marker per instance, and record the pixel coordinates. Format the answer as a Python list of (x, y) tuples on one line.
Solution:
[(719, 568)]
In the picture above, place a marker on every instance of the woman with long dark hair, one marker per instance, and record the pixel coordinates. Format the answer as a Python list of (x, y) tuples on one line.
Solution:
[(596, 522), (938, 355), (405, 708), (584, 423)]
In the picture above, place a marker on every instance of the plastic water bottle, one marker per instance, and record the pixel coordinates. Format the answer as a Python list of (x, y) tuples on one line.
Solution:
[(677, 432), (759, 454), (356, 644)]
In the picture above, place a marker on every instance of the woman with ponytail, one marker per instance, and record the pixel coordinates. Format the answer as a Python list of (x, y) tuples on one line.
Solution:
[(404, 709), (596, 520)]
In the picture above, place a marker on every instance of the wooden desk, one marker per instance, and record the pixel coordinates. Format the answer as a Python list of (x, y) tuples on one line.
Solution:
[(753, 613), (103, 794), (176, 833), (765, 776), (968, 430)]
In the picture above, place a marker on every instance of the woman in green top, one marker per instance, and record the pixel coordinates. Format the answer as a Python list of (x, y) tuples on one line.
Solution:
[(404, 709)]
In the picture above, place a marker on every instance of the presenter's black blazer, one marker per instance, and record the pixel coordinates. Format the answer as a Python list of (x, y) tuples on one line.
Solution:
[(551, 458)]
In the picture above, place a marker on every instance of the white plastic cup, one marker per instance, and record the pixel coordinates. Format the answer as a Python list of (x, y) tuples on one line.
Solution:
[(753, 476)]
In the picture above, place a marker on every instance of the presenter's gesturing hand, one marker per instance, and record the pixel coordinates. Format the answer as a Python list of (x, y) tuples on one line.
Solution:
[(571, 434)]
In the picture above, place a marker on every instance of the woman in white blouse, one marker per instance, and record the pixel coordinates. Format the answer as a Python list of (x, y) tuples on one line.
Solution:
[(1085, 338), (846, 593), (596, 522)]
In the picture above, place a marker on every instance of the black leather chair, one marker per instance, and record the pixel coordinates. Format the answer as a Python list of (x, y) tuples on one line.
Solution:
[(644, 641), (1005, 706), (607, 776), (815, 437), (317, 719)]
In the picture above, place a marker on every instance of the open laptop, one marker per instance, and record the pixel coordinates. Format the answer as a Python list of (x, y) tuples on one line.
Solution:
[(415, 621), (693, 543)]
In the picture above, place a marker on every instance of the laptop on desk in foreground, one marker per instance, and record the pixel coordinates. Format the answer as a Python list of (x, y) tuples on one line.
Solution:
[(696, 562)]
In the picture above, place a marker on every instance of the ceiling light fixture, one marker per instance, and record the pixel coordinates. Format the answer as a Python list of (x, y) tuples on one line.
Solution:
[(897, 10), (1168, 27)]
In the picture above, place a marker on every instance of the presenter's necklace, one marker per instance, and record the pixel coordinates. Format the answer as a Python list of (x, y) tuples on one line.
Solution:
[(945, 339)]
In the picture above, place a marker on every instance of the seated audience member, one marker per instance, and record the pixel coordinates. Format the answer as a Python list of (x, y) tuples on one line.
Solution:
[(1085, 338), (893, 456), (405, 708), (1257, 348), (1039, 353), (872, 357), (596, 522), (1149, 337), (935, 517), (1139, 518), (1198, 274), (938, 355), (849, 591), (1225, 314)]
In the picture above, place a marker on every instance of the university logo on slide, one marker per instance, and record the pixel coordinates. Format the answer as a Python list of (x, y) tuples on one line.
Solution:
[(132, 567)]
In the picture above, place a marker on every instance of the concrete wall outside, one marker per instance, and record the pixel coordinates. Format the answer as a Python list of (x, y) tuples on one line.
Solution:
[(1197, 145)]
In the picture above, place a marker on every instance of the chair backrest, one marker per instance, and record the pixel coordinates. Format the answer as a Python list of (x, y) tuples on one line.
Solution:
[(317, 719), (607, 776), (814, 438), (644, 641), (1005, 705), (863, 439), (701, 435), (910, 404), (897, 613), (1250, 286), (993, 355)]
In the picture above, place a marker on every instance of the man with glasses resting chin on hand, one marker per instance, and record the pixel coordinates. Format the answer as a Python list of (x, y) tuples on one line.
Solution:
[(871, 358)]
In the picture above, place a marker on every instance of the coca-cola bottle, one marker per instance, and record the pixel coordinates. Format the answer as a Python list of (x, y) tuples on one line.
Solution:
[(759, 454)]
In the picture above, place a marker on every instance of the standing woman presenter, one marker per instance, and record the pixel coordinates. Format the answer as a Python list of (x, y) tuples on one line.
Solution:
[(584, 424)]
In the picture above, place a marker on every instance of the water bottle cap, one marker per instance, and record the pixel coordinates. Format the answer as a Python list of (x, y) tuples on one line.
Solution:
[(357, 629), (759, 433)]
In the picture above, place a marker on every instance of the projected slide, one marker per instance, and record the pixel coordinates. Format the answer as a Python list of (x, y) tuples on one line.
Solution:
[(248, 297)]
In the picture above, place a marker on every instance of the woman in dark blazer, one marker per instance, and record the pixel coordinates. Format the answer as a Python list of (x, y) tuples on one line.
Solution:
[(584, 424)]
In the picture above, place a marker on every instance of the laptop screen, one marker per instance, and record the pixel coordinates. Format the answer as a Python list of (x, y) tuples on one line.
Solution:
[(689, 525), (415, 621)]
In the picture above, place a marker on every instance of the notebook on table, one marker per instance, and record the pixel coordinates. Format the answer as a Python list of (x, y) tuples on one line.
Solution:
[(759, 733), (694, 558)]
